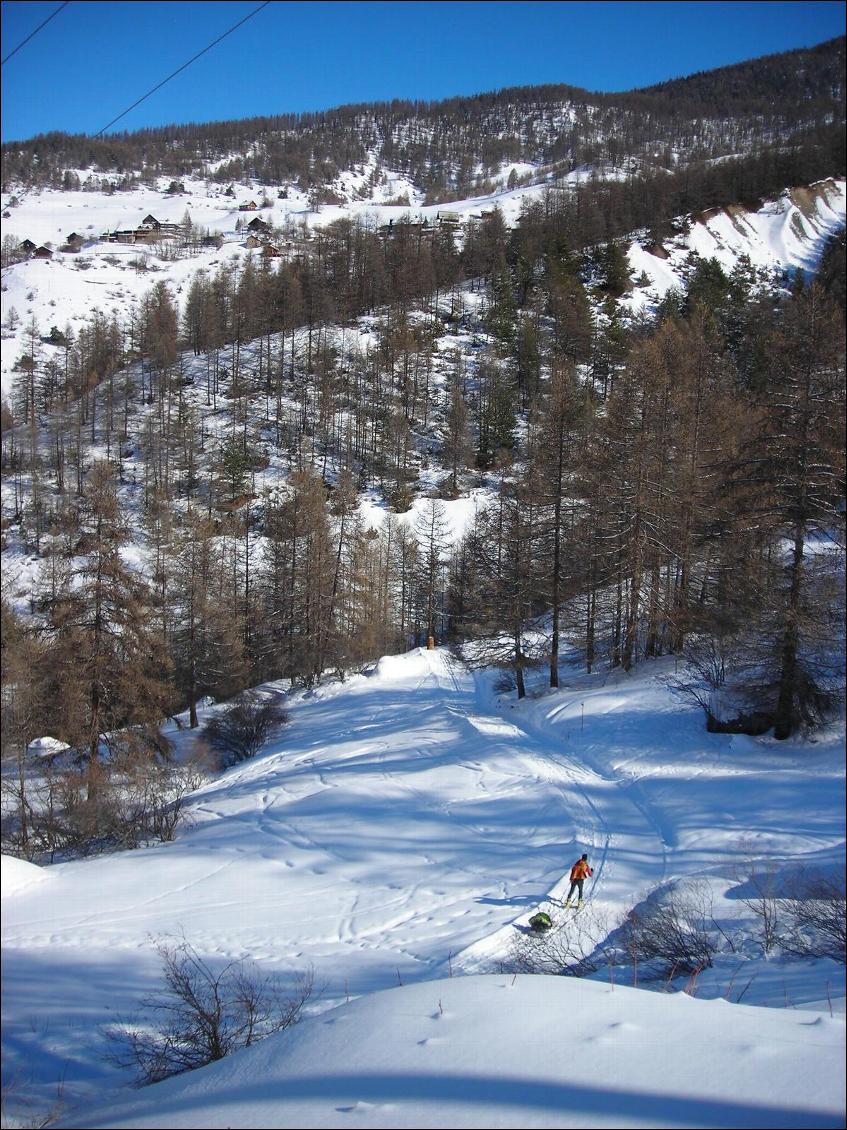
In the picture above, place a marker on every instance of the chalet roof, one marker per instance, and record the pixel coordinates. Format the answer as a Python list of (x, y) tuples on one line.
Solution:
[(27, 245), (43, 253)]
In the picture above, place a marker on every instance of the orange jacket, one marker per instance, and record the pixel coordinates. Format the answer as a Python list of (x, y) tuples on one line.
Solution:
[(581, 870)]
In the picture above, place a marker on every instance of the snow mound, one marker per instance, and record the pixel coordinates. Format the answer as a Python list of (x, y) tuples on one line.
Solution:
[(17, 875), (513, 1051), (401, 668)]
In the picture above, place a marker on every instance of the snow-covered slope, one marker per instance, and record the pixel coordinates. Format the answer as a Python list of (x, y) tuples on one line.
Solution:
[(784, 234), (402, 831)]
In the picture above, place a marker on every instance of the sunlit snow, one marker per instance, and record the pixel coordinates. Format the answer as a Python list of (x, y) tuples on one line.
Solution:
[(399, 834)]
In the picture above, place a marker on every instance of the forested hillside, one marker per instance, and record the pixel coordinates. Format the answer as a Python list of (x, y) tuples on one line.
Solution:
[(458, 147), (479, 430)]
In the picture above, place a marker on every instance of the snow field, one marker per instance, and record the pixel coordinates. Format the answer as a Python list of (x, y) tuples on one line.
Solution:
[(400, 831)]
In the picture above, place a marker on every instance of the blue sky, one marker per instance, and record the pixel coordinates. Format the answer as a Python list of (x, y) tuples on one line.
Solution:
[(93, 60)]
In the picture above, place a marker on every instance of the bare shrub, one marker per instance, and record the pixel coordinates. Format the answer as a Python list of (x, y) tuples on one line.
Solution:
[(573, 948), (52, 813), (240, 731), (22, 1112), (723, 674), (678, 935), (148, 800), (815, 911), (801, 912), (760, 893), (201, 1015)]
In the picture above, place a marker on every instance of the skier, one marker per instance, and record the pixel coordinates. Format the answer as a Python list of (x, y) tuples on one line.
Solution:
[(579, 873)]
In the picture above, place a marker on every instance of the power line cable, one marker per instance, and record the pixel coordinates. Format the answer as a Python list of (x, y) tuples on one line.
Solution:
[(33, 33), (193, 59)]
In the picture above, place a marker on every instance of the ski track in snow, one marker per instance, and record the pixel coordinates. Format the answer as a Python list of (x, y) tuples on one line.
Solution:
[(572, 790), (572, 780), (257, 798)]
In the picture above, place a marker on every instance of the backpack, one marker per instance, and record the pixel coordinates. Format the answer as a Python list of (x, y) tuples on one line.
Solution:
[(540, 922)]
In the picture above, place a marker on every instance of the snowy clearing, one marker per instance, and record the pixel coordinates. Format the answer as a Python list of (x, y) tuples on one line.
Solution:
[(401, 832)]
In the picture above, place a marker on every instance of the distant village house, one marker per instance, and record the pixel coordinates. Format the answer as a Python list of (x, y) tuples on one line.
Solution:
[(148, 230), (406, 226)]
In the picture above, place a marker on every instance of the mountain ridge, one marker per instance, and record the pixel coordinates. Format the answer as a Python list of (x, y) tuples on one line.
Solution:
[(451, 146)]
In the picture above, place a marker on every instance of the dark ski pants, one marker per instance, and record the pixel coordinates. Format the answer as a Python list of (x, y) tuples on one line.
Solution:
[(576, 883)]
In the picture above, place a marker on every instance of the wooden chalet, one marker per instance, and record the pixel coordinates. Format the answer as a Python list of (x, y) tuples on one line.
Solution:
[(448, 219), (27, 247), (257, 224), (125, 236), (250, 206), (43, 253), (270, 251), (148, 230)]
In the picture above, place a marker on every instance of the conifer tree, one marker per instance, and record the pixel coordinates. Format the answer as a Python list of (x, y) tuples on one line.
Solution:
[(107, 667), (432, 532), (789, 480)]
